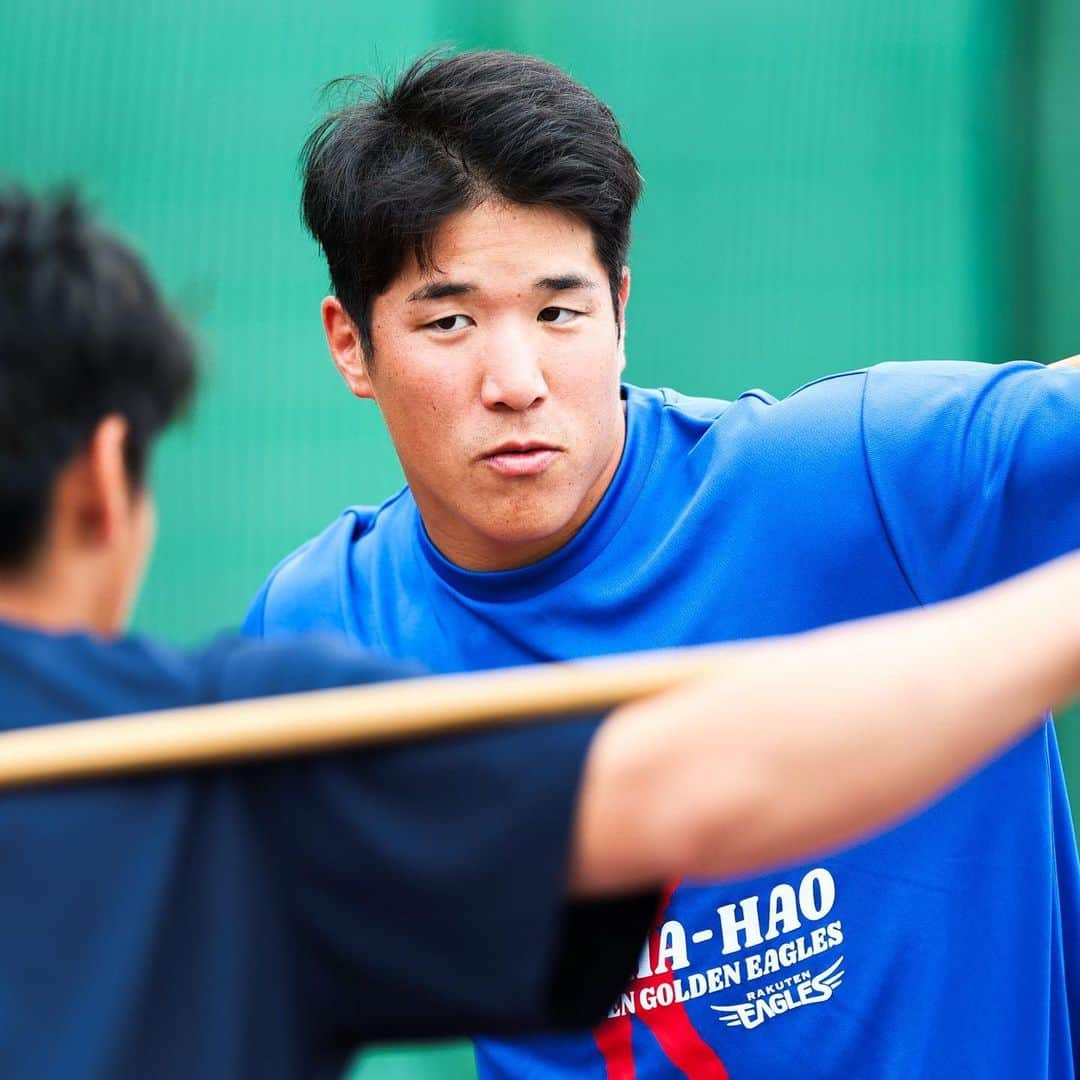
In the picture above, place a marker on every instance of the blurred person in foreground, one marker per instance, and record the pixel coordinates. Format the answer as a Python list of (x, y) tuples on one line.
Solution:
[(475, 217)]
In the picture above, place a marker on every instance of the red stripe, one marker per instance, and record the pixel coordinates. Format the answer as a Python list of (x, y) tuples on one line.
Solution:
[(679, 1039), (614, 1040), (670, 1026)]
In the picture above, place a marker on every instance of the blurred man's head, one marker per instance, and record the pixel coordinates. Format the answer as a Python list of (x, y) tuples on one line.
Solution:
[(92, 367), (476, 221)]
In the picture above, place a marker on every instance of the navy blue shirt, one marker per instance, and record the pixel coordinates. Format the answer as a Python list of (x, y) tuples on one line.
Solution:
[(263, 920)]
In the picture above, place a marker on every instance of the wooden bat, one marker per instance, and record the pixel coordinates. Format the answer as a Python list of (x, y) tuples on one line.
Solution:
[(347, 717)]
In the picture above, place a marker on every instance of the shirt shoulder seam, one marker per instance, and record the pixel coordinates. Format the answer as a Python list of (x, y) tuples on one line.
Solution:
[(875, 495)]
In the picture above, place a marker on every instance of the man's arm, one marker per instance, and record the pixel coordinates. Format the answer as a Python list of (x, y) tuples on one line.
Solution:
[(435, 874), (808, 742)]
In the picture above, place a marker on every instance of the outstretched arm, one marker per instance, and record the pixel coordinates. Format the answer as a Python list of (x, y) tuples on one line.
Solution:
[(806, 742)]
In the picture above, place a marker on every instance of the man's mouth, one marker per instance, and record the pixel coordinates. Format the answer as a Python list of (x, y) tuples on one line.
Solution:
[(521, 458)]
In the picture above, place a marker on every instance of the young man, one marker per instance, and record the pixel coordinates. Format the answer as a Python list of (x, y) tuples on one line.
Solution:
[(475, 218), (264, 921)]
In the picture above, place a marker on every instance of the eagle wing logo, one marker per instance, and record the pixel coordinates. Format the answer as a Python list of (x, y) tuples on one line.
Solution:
[(752, 1014)]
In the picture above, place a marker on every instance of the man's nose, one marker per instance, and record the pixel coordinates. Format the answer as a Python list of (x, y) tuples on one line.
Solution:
[(513, 373)]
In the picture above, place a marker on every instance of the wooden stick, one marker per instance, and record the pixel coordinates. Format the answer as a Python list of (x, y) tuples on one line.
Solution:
[(330, 719)]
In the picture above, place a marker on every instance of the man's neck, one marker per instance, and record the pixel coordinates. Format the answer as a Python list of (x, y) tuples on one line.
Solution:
[(46, 598)]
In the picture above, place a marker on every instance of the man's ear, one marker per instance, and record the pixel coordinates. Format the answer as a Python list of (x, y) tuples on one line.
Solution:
[(346, 348), (96, 485), (624, 298)]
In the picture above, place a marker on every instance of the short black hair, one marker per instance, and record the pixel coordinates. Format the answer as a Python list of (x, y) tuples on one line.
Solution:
[(385, 170), (83, 333)]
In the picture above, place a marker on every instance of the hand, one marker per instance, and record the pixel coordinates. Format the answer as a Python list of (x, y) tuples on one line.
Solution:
[(1069, 361)]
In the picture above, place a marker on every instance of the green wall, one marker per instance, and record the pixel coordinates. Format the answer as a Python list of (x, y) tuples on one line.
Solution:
[(829, 184)]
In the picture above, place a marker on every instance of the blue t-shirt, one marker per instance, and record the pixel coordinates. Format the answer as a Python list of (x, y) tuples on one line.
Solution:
[(262, 921), (946, 947)]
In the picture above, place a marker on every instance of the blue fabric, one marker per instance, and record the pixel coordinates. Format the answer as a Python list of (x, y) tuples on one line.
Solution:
[(946, 947), (262, 921)]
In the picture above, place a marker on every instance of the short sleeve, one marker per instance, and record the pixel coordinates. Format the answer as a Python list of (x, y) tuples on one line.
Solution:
[(426, 884), (976, 469)]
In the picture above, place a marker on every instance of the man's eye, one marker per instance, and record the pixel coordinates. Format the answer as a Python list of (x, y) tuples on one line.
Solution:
[(450, 322), (558, 315)]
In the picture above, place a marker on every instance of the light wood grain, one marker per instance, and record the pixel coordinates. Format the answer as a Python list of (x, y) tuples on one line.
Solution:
[(350, 717)]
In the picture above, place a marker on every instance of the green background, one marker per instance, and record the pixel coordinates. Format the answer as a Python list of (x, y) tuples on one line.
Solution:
[(829, 184)]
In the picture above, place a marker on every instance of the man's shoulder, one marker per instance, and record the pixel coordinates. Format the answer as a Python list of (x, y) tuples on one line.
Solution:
[(59, 678), (51, 677), (848, 399), (668, 406), (841, 389), (829, 392), (901, 377), (758, 427), (834, 415), (674, 403), (938, 384), (899, 411), (937, 404), (307, 589)]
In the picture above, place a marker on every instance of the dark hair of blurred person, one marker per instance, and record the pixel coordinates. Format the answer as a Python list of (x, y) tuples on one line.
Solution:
[(93, 365)]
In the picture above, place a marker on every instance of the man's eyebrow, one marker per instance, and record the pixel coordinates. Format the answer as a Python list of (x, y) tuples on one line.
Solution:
[(563, 282), (438, 290)]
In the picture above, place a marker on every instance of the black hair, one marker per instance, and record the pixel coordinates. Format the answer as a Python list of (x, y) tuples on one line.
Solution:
[(385, 170), (83, 334)]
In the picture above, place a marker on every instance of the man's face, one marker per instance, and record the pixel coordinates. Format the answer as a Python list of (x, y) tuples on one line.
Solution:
[(497, 374)]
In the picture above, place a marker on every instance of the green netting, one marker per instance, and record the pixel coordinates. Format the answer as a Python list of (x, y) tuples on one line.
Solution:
[(828, 185)]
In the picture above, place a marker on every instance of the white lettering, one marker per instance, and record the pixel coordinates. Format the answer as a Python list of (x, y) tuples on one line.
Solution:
[(817, 894), (783, 912), (671, 955), (749, 924), (626, 1005), (740, 924)]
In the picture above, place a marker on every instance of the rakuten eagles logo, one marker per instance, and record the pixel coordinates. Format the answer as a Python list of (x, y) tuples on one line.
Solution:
[(776, 999)]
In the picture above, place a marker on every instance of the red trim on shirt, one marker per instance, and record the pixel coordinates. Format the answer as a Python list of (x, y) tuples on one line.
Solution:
[(614, 1039), (670, 1026)]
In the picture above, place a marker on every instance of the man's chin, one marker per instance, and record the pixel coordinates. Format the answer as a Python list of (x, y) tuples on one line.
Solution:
[(523, 542)]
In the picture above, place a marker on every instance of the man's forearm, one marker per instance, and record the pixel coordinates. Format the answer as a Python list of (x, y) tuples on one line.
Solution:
[(803, 743)]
